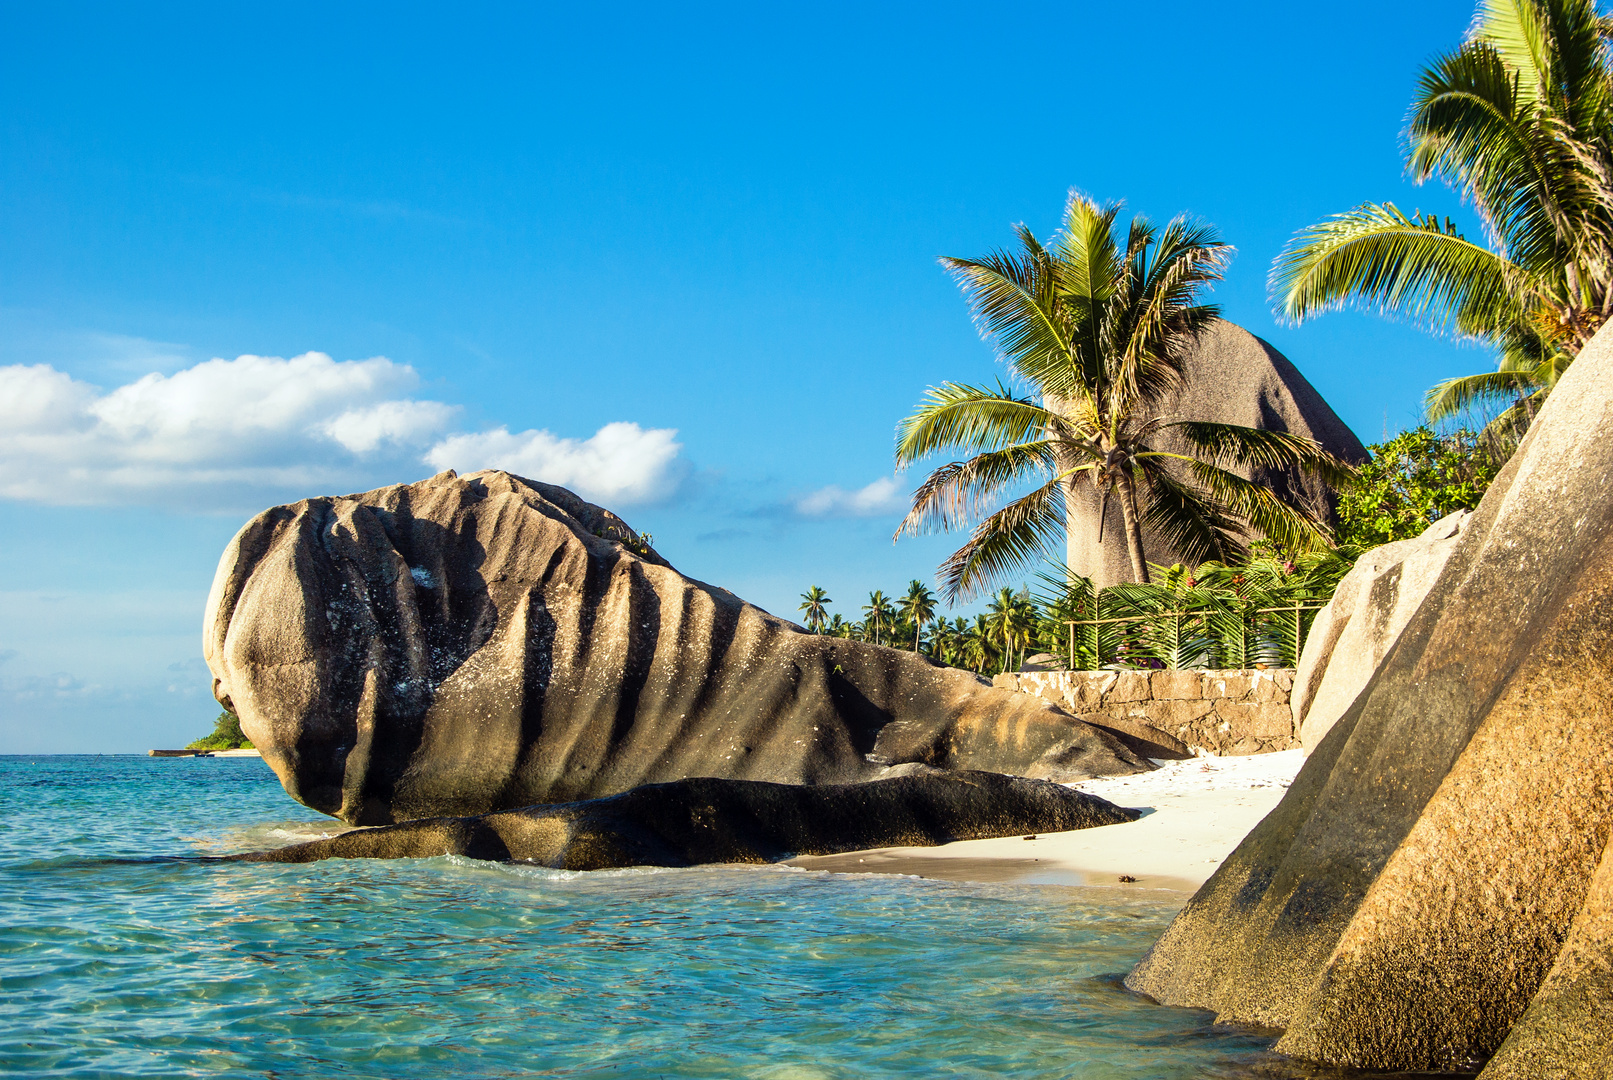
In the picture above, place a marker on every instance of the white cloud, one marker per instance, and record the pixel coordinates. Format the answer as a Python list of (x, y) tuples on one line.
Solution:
[(259, 429), (402, 423), (619, 464), (221, 426), (883, 496)]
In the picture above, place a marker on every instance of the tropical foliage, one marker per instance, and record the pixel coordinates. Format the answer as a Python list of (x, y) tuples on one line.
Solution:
[(227, 735), (1412, 481), (815, 608), (1519, 123), (1097, 325), (1217, 615)]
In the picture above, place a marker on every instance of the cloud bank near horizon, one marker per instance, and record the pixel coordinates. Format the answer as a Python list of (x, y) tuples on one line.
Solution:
[(263, 428)]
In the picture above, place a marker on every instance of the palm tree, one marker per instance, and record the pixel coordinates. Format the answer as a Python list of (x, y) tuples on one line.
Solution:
[(1099, 326), (1010, 621), (815, 602), (1519, 121), (877, 615), (838, 627), (977, 645), (918, 607)]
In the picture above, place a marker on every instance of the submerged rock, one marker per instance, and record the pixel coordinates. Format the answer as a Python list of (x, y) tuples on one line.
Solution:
[(1370, 608), (471, 644), (1434, 889), (689, 822)]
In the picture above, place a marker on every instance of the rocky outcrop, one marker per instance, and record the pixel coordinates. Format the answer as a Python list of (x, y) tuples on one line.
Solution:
[(688, 822), (1370, 608), (480, 643), (1174, 714), (1433, 889), (1232, 377)]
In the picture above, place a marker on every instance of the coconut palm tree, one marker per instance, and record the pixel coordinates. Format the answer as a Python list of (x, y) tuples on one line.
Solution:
[(977, 647), (1098, 326), (838, 627), (918, 607), (1010, 621), (878, 615), (815, 602), (1519, 121)]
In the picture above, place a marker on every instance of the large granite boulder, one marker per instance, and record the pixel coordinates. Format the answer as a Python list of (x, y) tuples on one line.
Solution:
[(1434, 888), (1370, 608), (1232, 377), (472, 644), (688, 822)]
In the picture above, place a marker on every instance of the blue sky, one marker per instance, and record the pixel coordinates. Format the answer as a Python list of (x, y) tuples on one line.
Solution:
[(683, 260)]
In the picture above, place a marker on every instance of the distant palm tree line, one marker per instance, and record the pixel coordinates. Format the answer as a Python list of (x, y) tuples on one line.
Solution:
[(1217, 615), (1001, 637)]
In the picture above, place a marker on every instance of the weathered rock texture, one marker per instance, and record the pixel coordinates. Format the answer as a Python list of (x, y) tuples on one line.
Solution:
[(1173, 714), (688, 822), (1232, 378), (1352, 634), (1428, 892), (465, 645)]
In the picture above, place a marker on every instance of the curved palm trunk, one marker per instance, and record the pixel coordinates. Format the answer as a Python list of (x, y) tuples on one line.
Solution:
[(1134, 532)]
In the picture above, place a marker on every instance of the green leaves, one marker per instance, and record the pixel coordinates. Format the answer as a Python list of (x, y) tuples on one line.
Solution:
[(1100, 331), (1519, 122), (1412, 481), (1378, 257)]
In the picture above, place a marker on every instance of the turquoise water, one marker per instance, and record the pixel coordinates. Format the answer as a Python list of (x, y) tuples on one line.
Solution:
[(123, 954)]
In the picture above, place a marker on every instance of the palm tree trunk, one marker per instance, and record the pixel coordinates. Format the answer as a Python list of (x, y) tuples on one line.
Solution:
[(1134, 532)]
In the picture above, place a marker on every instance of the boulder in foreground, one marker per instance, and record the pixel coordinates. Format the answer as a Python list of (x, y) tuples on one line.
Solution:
[(1365, 616), (690, 822), (471, 644), (1434, 890)]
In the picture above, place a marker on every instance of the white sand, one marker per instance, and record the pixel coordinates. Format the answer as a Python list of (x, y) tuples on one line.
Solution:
[(1195, 813)]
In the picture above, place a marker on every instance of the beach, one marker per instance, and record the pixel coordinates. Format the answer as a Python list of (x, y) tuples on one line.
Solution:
[(1195, 813)]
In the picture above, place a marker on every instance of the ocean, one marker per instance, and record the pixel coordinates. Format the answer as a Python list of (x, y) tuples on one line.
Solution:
[(127, 950)]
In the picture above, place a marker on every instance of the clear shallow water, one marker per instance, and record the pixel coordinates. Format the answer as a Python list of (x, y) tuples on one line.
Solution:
[(123, 954)]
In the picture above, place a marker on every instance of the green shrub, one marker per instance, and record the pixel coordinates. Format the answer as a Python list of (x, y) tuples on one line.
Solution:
[(227, 735), (1412, 481)]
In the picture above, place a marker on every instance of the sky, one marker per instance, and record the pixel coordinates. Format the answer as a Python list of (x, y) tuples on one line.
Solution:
[(681, 259)]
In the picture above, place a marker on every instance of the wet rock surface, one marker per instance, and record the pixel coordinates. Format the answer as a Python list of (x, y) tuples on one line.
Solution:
[(690, 822), (1434, 888), (480, 643)]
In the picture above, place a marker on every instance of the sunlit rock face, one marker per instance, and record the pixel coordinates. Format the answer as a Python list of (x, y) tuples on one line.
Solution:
[(1435, 887), (471, 644), (1232, 377), (1364, 617)]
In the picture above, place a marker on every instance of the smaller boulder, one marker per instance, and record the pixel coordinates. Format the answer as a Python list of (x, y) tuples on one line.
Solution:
[(710, 820), (1370, 608)]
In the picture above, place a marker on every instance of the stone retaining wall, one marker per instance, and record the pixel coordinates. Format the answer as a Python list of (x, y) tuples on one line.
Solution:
[(1175, 713)]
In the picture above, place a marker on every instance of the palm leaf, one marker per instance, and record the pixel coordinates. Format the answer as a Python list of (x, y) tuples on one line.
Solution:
[(1377, 256), (1007, 540)]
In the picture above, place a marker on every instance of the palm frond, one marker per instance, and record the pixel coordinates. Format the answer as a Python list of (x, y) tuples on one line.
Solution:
[(1236, 447), (1014, 301), (1194, 526), (1455, 396), (1377, 256), (1292, 529), (961, 490), (954, 415), (1007, 540)]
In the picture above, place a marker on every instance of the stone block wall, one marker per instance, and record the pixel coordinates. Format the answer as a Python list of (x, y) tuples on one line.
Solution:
[(1175, 713)]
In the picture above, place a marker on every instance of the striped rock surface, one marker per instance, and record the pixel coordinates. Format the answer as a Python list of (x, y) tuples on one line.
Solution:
[(471, 644)]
